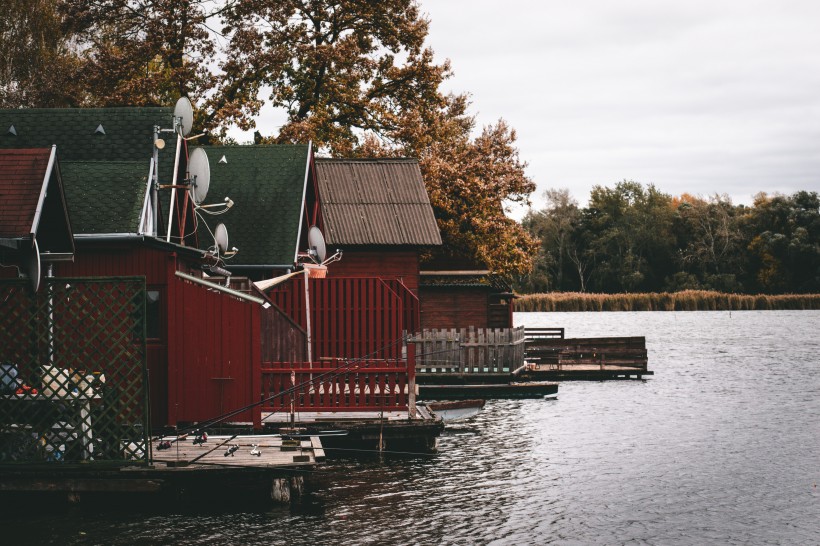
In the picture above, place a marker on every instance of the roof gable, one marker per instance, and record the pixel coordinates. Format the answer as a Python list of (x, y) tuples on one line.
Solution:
[(105, 197), (32, 201), (375, 202), (22, 173), (267, 186)]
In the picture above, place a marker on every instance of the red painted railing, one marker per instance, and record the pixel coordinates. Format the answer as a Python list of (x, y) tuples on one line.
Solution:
[(337, 385)]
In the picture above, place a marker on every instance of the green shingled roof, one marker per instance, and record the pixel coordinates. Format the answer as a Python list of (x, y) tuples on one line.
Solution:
[(104, 153), (104, 196), (86, 134), (267, 184)]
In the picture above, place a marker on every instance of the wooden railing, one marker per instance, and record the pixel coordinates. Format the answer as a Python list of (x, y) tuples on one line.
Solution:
[(602, 351), (544, 333), (337, 385), (469, 350)]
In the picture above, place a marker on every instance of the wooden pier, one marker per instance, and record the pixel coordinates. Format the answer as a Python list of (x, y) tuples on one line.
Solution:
[(255, 468), (549, 356)]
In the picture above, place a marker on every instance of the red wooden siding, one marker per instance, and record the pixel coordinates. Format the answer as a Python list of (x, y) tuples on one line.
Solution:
[(367, 385), (118, 260), (453, 307), (350, 318), (158, 266), (214, 355), (392, 263)]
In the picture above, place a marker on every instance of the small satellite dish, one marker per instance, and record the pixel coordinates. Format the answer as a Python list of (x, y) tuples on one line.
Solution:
[(200, 172), (316, 242), (32, 266), (159, 143), (185, 113), (221, 237)]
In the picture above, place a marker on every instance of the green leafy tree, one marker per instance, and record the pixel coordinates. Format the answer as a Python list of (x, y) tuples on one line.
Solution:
[(556, 227), (784, 235), (711, 243), (632, 241)]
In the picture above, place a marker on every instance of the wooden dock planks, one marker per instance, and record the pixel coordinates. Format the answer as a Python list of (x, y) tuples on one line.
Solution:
[(272, 452)]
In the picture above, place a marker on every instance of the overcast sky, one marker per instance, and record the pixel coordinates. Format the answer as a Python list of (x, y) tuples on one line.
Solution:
[(697, 96)]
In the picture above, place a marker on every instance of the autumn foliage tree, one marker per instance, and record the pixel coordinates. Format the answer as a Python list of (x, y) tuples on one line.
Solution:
[(38, 63), (353, 77)]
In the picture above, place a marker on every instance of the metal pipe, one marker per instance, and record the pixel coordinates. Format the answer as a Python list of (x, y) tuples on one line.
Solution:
[(155, 183), (173, 188), (219, 288), (307, 320)]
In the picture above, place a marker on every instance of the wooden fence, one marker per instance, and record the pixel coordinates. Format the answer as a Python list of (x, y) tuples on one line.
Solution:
[(337, 385), (469, 350)]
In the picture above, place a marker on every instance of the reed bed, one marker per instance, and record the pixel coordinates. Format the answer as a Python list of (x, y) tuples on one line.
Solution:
[(687, 300)]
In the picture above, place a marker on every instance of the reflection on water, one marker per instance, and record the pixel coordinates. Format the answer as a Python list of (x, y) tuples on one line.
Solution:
[(720, 446)]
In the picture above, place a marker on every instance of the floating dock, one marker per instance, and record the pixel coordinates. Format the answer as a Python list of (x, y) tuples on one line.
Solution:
[(218, 469), (472, 390), (549, 356), (413, 431)]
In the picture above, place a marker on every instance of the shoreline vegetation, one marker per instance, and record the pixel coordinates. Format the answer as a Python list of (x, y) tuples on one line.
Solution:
[(686, 300)]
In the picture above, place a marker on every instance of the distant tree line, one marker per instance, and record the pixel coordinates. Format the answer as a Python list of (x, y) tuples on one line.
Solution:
[(635, 238)]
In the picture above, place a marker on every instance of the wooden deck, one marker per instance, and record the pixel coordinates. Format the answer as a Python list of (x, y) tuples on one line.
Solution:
[(273, 451), (581, 372), (551, 357), (185, 473)]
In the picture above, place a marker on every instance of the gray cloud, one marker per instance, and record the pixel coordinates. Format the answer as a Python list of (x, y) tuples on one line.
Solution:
[(697, 97)]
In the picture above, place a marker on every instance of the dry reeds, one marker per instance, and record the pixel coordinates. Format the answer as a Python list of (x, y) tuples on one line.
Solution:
[(687, 300)]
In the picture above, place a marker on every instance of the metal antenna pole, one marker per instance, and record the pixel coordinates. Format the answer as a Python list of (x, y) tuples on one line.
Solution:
[(178, 132)]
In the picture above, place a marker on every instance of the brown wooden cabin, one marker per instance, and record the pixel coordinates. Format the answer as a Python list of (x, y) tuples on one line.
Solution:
[(457, 293), (378, 213)]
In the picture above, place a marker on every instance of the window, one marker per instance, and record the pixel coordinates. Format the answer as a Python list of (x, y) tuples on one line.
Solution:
[(152, 314)]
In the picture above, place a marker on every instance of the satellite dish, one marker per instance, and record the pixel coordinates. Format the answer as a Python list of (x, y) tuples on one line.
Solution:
[(185, 113), (199, 171), (221, 237), (32, 266), (316, 242)]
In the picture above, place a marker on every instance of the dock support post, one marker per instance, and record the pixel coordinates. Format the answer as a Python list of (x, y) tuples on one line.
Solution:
[(285, 489), (411, 378), (280, 490)]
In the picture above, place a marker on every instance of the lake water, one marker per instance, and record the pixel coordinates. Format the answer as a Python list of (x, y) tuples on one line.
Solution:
[(721, 446)]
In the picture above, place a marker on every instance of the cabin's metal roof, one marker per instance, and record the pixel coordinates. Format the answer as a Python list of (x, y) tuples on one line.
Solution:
[(375, 202), (267, 186)]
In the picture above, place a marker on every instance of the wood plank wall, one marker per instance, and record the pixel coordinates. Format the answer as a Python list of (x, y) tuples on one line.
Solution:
[(469, 350)]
